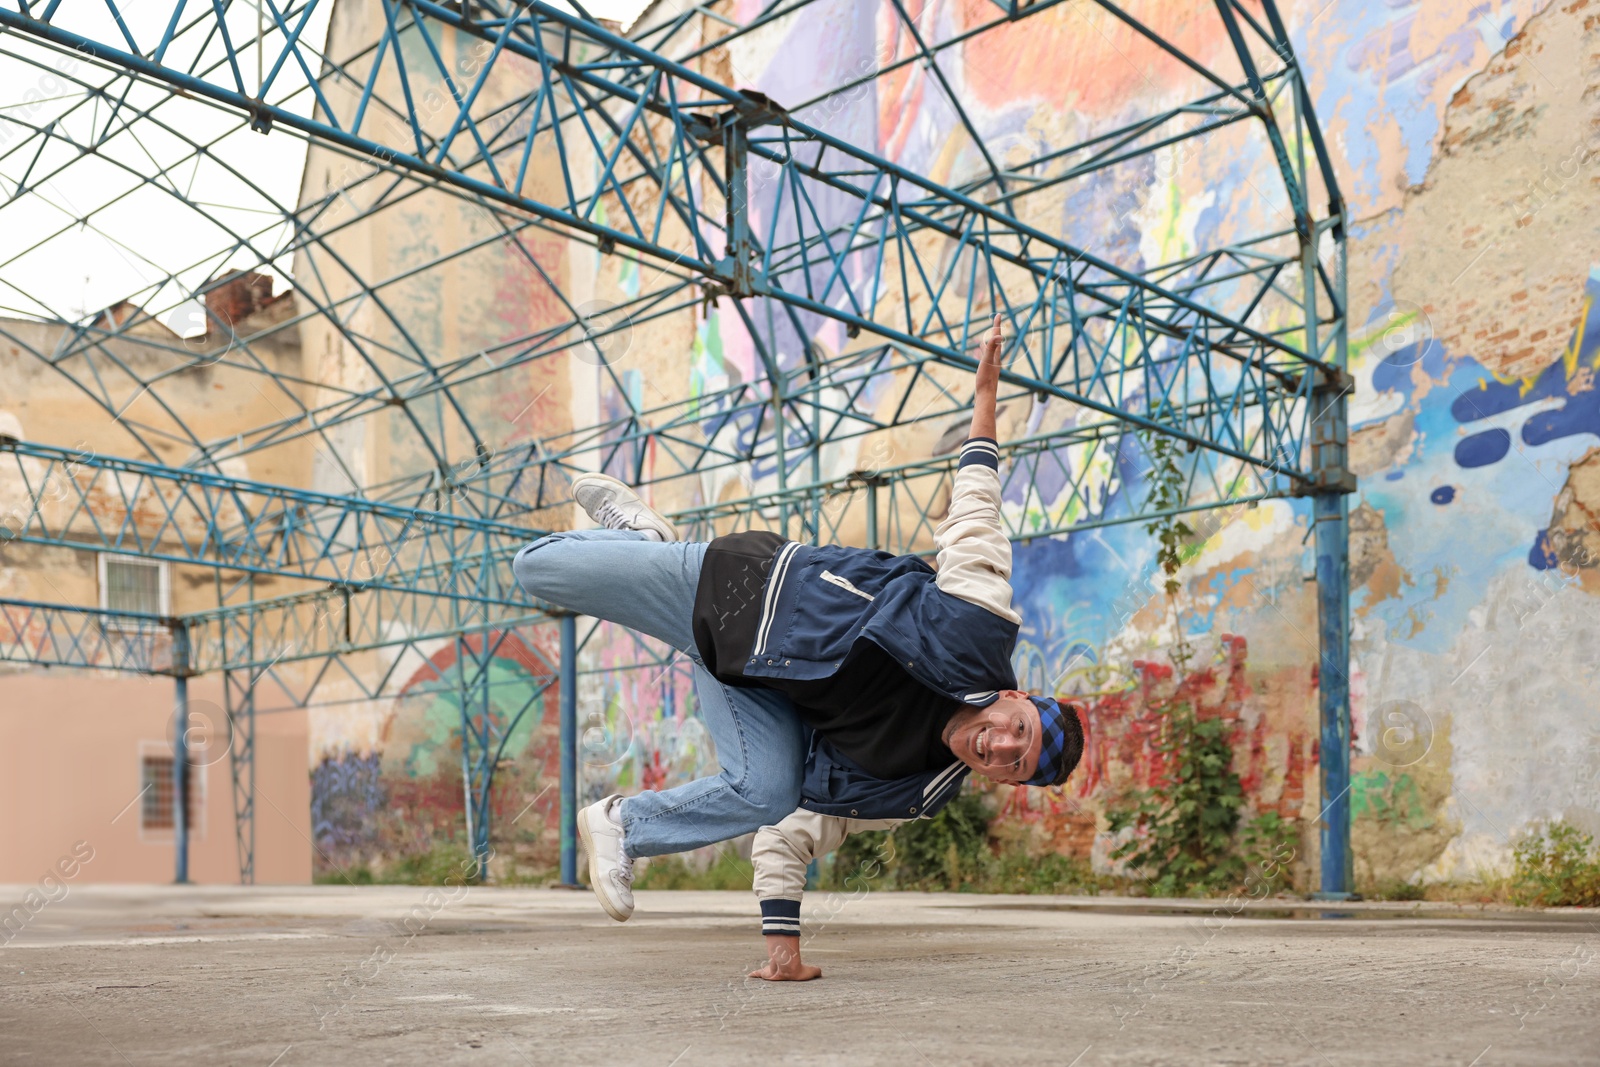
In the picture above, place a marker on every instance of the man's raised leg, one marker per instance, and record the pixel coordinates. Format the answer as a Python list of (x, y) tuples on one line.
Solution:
[(621, 576), (627, 578)]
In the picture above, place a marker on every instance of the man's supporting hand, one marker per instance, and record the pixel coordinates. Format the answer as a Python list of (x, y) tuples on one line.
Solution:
[(988, 382), (783, 961)]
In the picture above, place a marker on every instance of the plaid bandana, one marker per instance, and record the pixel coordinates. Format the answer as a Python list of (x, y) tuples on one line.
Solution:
[(1054, 731)]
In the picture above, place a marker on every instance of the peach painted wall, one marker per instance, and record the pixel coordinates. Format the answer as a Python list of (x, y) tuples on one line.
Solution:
[(70, 757)]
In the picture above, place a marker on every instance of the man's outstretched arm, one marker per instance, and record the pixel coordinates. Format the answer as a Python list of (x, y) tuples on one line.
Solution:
[(974, 551)]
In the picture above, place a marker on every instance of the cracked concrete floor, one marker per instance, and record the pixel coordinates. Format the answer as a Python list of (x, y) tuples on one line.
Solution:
[(407, 975)]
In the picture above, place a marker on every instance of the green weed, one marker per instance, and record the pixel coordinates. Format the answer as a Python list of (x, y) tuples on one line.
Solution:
[(1184, 827), (1269, 843), (359, 874), (1556, 865), (1396, 890), (953, 852)]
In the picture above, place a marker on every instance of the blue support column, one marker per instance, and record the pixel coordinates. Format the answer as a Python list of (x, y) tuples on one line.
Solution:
[(180, 753), (1331, 516), (487, 759), (470, 744), (1330, 441), (1331, 481), (239, 697), (569, 749)]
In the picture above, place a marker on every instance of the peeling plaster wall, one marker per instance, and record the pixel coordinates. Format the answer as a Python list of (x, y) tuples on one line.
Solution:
[(1477, 407)]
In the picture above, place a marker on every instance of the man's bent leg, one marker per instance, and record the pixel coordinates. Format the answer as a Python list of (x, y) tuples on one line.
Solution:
[(621, 576), (649, 586), (761, 749)]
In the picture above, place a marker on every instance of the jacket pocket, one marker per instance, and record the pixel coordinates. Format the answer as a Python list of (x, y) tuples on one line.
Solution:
[(845, 584)]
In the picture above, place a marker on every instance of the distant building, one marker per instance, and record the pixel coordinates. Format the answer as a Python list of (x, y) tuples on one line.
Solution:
[(86, 755)]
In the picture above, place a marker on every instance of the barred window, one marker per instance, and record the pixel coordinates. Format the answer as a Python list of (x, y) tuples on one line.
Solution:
[(131, 584), (160, 788)]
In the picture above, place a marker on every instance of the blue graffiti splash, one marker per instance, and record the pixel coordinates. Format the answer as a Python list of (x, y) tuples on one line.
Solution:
[(1578, 411), (1482, 449), (1580, 414), (1493, 397), (1507, 491), (346, 793), (1541, 557)]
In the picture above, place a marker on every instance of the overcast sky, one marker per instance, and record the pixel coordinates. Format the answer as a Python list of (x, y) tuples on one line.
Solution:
[(136, 236)]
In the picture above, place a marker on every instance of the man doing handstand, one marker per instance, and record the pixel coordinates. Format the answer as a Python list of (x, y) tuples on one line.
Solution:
[(837, 683)]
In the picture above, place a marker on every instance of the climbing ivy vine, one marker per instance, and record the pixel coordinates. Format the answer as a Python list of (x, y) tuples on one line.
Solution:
[(1166, 491), (1184, 825)]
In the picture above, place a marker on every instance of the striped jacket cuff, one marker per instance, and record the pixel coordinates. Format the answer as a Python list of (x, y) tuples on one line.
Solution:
[(780, 917), (980, 452)]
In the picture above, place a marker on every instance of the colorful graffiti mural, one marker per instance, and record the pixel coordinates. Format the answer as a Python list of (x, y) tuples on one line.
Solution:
[(1476, 421), (408, 797)]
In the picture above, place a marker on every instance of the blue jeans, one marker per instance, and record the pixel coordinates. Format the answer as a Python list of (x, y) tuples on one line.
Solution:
[(626, 578)]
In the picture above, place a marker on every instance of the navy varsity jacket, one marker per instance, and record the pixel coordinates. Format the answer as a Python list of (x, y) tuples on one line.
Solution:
[(952, 630)]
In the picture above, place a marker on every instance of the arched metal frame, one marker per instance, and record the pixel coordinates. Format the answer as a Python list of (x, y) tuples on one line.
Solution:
[(1238, 351)]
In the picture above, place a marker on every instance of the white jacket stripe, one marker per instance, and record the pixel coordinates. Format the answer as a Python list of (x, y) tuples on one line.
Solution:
[(933, 787), (770, 604)]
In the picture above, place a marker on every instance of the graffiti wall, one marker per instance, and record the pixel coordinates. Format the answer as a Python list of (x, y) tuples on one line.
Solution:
[(1466, 135), (1466, 138)]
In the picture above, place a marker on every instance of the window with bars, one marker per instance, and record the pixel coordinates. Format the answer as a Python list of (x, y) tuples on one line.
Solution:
[(130, 584), (160, 790)]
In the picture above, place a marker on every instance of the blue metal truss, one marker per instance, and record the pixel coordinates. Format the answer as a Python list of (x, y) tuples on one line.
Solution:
[(1166, 355), (239, 705), (721, 197), (79, 498), (56, 635)]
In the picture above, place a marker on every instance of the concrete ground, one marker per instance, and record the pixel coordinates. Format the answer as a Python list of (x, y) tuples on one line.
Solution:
[(277, 977)]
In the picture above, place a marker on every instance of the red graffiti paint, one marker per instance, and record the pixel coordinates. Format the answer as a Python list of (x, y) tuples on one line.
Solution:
[(1121, 731), (502, 644)]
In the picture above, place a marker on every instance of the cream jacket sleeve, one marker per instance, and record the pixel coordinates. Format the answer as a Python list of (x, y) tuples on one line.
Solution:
[(974, 551), (781, 854)]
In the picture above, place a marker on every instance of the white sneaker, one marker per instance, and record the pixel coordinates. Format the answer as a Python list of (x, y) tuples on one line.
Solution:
[(610, 868), (617, 507)]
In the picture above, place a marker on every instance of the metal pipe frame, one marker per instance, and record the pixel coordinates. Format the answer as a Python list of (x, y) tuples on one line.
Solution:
[(569, 750), (786, 227), (84, 500), (1182, 349)]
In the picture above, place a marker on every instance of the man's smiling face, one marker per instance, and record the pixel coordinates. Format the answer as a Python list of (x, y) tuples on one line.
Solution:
[(1000, 741)]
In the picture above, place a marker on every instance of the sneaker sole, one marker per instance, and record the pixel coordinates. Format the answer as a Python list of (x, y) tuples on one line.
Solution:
[(594, 874)]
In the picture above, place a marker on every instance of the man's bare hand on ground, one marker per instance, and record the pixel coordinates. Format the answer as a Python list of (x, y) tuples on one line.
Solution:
[(783, 962)]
